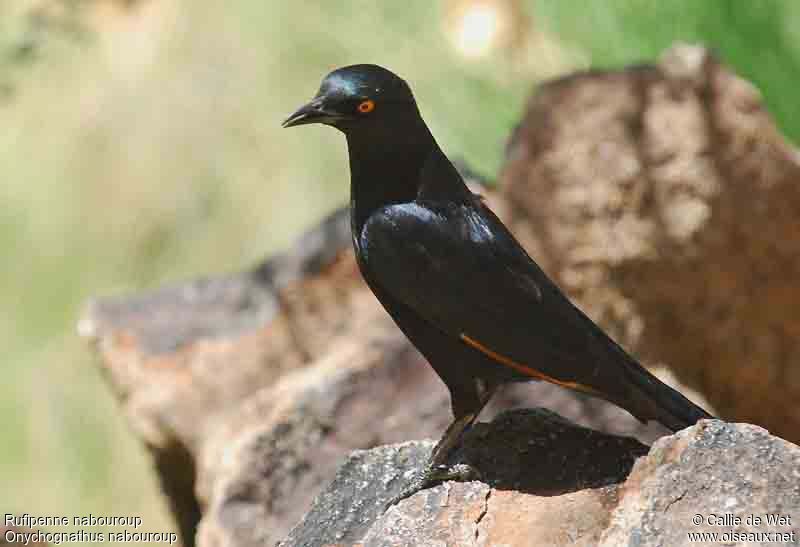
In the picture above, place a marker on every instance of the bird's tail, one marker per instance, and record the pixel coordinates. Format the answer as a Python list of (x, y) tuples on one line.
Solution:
[(657, 401)]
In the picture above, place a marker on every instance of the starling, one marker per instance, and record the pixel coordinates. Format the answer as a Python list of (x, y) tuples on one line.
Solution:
[(453, 277)]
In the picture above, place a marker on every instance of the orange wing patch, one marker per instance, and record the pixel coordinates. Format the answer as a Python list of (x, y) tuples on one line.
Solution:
[(528, 371)]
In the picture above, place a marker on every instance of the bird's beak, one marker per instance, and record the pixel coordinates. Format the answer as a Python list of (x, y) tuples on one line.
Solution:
[(313, 112)]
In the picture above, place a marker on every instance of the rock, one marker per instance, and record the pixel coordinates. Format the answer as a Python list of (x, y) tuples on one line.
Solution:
[(526, 456), (661, 198), (264, 464), (260, 471), (719, 471)]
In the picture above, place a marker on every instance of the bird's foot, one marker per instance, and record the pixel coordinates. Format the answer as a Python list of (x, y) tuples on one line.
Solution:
[(433, 475)]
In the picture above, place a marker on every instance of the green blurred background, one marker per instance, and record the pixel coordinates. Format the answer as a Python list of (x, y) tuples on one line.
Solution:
[(140, 144)]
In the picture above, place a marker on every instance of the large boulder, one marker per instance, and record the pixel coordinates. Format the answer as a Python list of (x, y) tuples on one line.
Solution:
[(663, 199), (552, 483), (713, 478), (549, 479)]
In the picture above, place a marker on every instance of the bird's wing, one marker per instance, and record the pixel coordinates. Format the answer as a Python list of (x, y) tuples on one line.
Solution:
[(460, 270)]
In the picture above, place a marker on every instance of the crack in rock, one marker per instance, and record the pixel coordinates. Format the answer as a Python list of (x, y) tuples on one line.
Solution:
[(483, 514)]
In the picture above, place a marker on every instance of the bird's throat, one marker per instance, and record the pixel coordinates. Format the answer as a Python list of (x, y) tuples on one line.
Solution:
[(385, 169)]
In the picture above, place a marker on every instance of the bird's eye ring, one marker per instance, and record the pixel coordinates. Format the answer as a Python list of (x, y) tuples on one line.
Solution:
[(365, 107)]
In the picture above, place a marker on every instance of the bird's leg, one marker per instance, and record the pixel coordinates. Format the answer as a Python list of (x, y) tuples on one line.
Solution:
[(450, 439), (437, 470)]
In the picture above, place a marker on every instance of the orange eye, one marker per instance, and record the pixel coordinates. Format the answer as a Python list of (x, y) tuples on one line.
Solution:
[(365, 107)]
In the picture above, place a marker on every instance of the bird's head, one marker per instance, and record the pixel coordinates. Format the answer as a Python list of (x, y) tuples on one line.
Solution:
[(358, 96)]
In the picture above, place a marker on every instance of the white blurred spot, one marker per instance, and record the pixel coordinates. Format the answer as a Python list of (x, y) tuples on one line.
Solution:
[(477, 29)]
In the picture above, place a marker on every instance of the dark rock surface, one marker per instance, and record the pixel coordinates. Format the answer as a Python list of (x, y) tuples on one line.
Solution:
[(526, 454), (717, 470)]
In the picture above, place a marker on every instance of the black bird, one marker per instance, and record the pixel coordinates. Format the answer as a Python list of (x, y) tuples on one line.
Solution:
[(455, 280)]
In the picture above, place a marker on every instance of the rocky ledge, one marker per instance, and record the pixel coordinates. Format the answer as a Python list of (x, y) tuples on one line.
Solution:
[(549, 482)]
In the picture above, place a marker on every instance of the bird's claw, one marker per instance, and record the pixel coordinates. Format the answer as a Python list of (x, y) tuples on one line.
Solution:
[(433, 475), (460, 472)]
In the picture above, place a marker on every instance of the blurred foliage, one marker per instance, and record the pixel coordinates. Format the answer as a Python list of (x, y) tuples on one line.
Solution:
[(26, 31), (761, 40), (140, 144)]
